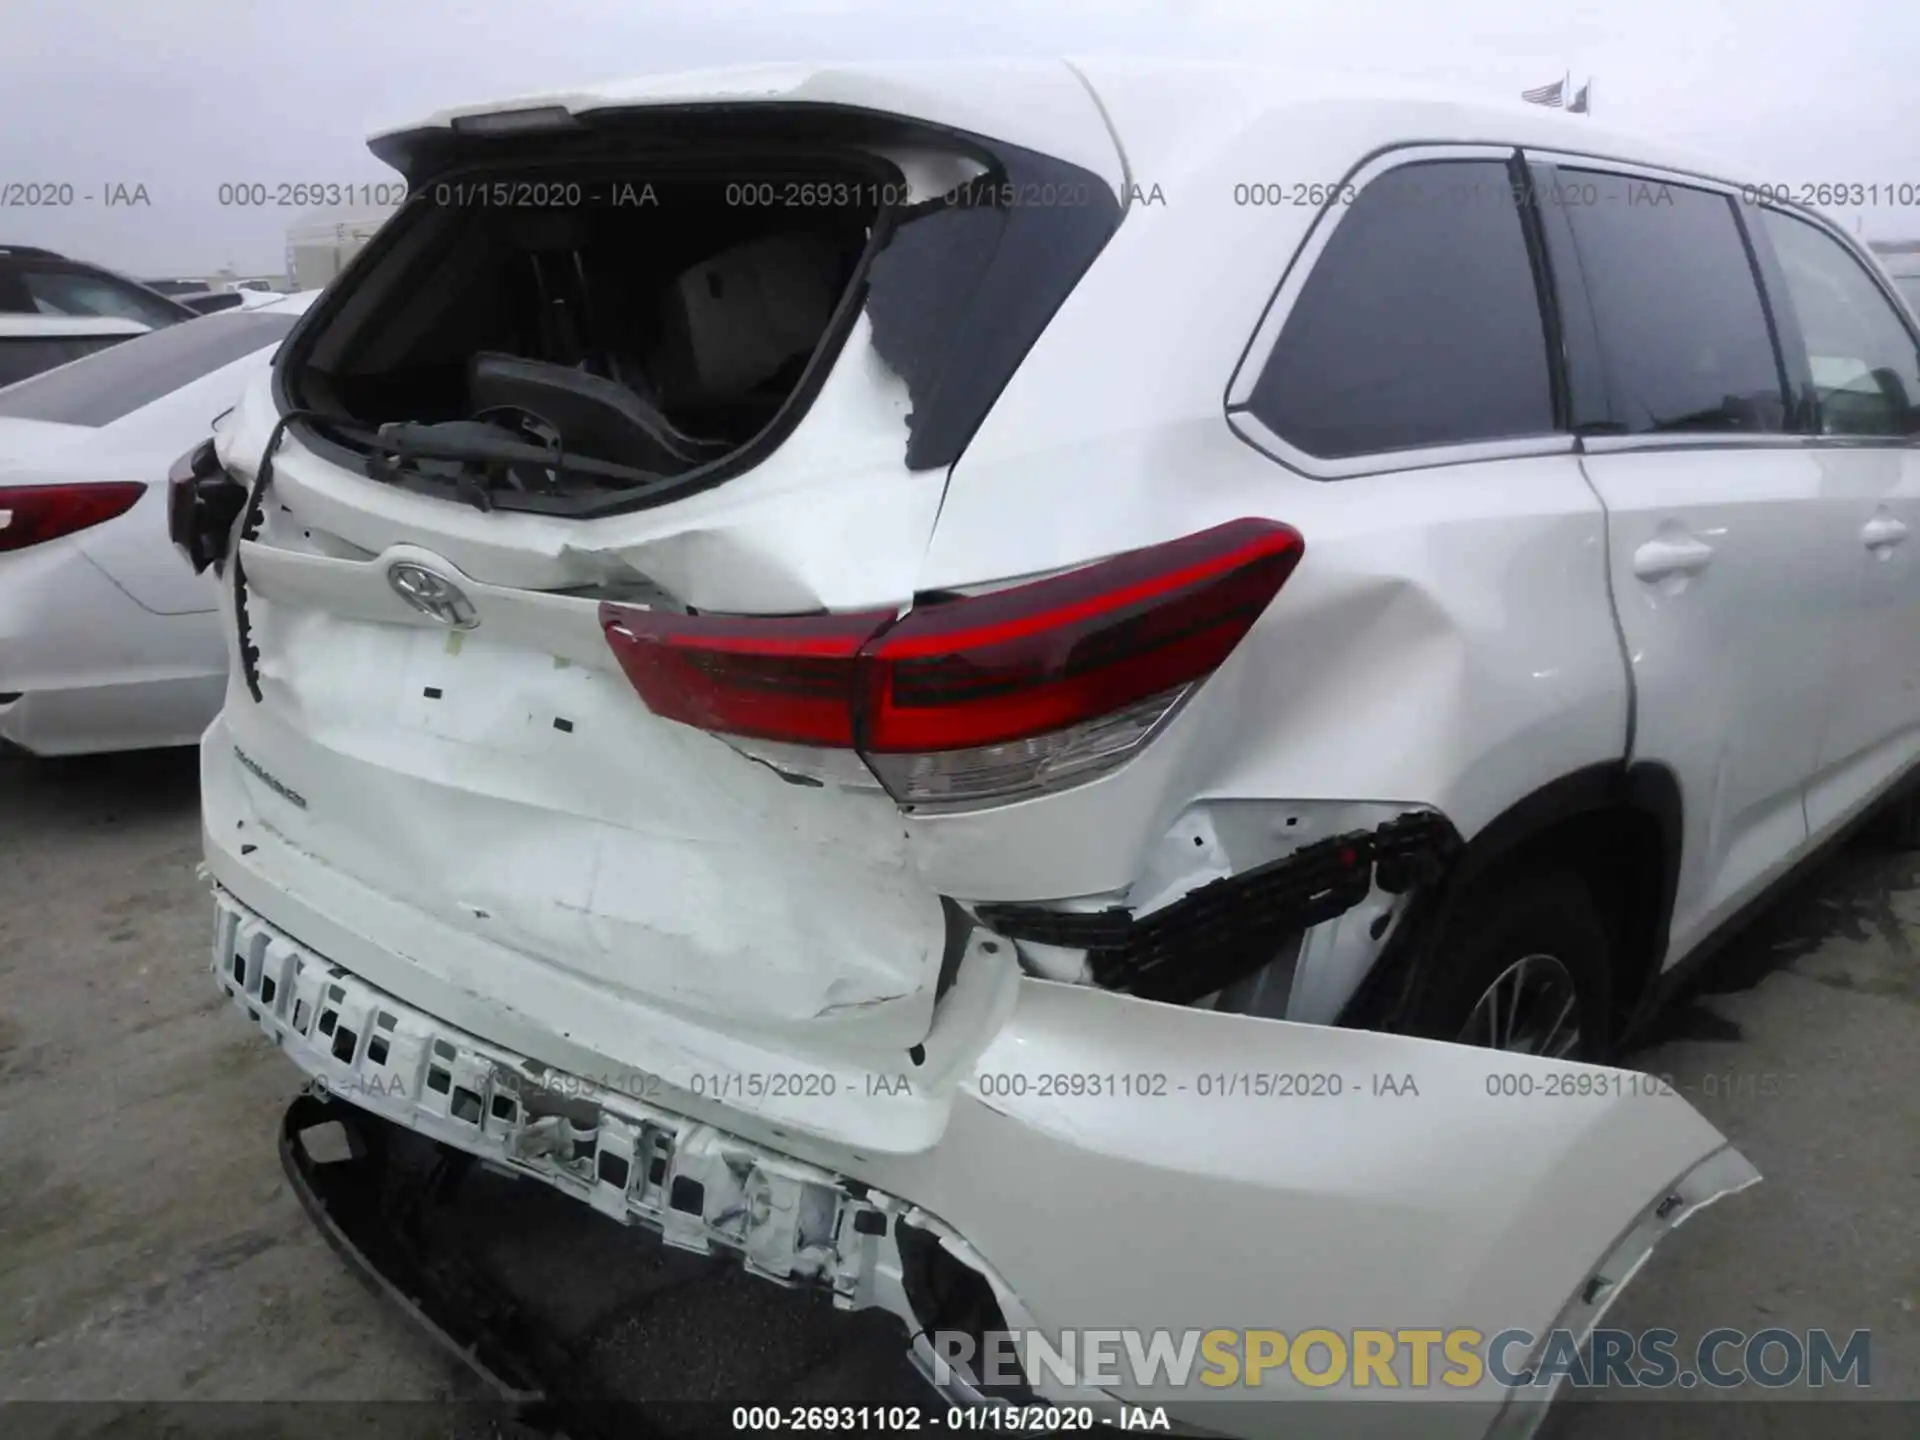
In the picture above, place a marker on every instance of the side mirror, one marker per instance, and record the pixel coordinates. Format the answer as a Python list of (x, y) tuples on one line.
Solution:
[(212, 302)]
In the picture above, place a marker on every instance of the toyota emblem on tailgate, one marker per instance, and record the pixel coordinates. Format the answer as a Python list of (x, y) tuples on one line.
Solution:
[(432, 595)]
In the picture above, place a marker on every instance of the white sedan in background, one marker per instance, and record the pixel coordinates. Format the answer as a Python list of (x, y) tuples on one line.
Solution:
[(108, 640)]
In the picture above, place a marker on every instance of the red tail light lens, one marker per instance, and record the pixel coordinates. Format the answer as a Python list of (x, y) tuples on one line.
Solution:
[(35, 514), (793, 679), (983, 697), (1037, 657)]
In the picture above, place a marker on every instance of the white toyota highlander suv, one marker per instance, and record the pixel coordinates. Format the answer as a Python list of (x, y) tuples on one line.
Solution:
[(903, 627)]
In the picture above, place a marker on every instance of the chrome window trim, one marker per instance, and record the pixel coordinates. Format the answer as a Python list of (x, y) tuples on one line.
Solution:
[(1695, 440), (1717, 440), (1257, 433)]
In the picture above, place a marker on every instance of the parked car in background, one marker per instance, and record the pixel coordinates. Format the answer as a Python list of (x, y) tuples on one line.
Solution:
[(108, 640), (212, 302), (1009, 631), (215, 285), (32, 343), (35, 281)]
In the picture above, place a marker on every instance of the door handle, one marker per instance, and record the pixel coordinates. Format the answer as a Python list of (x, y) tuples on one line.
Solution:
[(1882, 533), (1658, 559)]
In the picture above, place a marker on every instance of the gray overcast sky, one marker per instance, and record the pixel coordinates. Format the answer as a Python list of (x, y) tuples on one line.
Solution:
[(182, 95)]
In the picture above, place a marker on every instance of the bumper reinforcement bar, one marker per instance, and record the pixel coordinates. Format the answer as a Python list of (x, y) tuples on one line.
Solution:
[(1220, 931)]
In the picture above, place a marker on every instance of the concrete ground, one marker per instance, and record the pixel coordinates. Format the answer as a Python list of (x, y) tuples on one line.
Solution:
[(151, 1250)]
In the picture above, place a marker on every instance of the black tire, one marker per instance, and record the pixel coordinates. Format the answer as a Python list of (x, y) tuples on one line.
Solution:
[(1496, 926), (1897, 827)]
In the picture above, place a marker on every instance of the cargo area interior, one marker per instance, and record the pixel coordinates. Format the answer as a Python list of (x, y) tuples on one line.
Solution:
[(653, 318)]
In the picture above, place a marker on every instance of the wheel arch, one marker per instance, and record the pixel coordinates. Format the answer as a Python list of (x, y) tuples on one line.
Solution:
[(1618, 825)]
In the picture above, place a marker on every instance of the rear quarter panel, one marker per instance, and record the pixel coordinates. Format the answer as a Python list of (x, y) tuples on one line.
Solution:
[(1448, 639)]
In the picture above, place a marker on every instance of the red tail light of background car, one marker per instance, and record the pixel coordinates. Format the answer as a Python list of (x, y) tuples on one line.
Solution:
[(35, 514)]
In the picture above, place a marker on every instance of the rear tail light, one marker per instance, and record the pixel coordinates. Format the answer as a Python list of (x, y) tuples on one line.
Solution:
[(34, 514), (793, 679), (987, 697)]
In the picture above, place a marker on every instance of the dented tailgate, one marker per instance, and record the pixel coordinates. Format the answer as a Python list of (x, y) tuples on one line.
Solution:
[(505, 780), (485, 766)]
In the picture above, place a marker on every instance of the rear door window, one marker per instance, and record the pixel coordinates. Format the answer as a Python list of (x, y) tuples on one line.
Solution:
[(15, 298), (136, 372), (83, 292), (1419, 324), (25, 355), (1860, 353), (1683, 332)]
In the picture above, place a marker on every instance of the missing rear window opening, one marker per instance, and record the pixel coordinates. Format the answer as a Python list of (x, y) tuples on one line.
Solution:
[(595, 323), (599, 331)]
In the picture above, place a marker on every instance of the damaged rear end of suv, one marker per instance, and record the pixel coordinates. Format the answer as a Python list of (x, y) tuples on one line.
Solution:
[(660, 760)]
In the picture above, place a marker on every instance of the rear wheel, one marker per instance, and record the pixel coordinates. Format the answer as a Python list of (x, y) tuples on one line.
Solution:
[(1525, 965), (1898, 825)]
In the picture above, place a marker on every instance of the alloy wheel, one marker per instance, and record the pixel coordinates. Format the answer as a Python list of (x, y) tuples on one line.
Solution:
[(1531, 1008)]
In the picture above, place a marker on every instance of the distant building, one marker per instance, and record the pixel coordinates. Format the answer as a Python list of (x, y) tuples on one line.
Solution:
[(320, 244), (228, 280)]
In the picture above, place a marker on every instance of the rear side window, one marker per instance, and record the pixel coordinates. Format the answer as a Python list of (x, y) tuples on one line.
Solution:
[(15, 298), (1683, 333), (81, 292), (1860, 354), (1419, 324), (21, 356), (139, 371)]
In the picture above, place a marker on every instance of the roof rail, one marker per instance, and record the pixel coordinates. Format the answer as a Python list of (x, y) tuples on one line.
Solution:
[(35, 252)]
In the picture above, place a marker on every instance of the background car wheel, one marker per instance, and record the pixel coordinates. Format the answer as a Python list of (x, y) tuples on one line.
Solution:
[(1898, 826), (1524, 965)]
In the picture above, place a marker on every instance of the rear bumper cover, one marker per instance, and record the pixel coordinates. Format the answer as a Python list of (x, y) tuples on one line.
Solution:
[(698, 1187), (1188, 1198)]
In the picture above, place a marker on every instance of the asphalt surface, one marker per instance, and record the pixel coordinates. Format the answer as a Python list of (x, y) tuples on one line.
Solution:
[(151, 1249)]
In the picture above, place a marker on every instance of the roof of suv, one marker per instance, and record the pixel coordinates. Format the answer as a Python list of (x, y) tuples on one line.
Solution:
[(1147, 103)]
